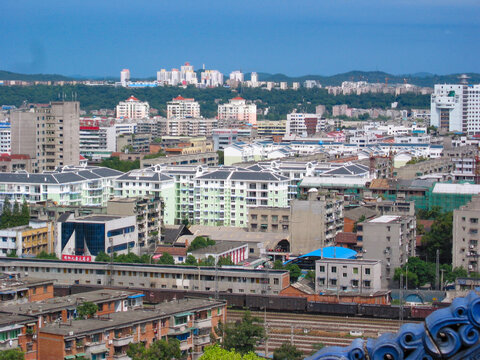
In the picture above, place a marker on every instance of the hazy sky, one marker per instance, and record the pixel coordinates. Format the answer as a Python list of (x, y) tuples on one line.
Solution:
[(297, 37)]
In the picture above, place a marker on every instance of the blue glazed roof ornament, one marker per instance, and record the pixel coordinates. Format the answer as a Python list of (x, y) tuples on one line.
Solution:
[(450, 333)]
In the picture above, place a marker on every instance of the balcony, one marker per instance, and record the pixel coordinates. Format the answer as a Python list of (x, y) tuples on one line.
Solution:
[(201, 340), (121, 357), (95, 347), (203, 323), (123, 341)]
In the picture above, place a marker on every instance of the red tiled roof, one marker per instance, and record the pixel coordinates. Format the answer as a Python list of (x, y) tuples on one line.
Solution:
[(172, 250), (346, 238), (238, 98), (179, 97), (132, 98), (427, 224)]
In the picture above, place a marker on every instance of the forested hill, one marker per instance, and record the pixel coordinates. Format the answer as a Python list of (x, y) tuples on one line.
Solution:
[(7, 75), (279, 102), (419, 79)]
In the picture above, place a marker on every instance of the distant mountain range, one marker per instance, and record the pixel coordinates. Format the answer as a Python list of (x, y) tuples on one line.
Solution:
[(420, 79)]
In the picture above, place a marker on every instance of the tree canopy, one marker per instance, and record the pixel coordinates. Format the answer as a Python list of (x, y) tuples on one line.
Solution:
[(86, 310), (200, 242), (278, 102), (287, 351), (159, 350), (12, 354), (421, 272), (115, 163), (166, 259), (215, 352), (242, 336), (46, 256), (439, 238), (14, 215)]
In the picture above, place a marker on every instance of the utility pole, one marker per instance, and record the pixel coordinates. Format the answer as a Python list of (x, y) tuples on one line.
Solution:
[(291, 334), (266, 330), (437, 270), (441, 278), (400, 309), (216, 279)]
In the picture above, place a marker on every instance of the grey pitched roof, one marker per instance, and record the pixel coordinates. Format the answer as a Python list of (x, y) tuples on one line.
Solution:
[(155, 176), (259, 176), (219, 174)]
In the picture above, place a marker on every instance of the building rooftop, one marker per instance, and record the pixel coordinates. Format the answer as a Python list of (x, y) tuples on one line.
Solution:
[(11, 282), (220, 246), (97, 218), (70, 302), (129, 318), (385, 219), (15, 319), (468, 189)]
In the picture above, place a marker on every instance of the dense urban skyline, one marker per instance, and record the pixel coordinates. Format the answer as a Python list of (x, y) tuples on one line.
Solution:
[(97, 39)]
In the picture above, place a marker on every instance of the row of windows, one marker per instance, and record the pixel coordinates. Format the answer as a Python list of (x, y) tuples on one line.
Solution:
[(355, 270), (240, 279)]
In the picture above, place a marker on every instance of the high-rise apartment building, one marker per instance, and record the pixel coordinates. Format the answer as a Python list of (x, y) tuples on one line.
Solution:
[(48, 133), (211, 78), (304, 124), (466, 236), (237, 112), (254, 79), (186, 76), (132, 108), (391, 239), (124, 77), (181, 108), (5, 138), (237, 76), (456, 107)]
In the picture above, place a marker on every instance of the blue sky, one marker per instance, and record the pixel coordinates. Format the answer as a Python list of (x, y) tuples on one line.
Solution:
[(298, 37)]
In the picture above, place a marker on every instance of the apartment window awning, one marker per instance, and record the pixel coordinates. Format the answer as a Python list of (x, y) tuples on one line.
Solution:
[(136, 296), (69, 357), (183, 314), (81, 355)]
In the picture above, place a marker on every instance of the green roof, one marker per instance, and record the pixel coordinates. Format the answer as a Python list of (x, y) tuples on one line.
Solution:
[(81, 354), (70, 357)]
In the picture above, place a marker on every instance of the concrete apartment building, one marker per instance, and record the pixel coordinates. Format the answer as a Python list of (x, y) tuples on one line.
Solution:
[(191, 321), (303, 124), (271, 128), (363, 276), (182, 108), (466, 237), (133, 143), (29, 239), (48, 133), (148, 211), (456, 107), (390, 239), (209, 158), (88, 186), (177, 126), (230, 280), (269, 219), (237, 112), (315, 221), (132, 108)]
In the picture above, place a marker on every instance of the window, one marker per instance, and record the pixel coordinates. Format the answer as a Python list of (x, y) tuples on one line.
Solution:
[(355, 270), (366, 283), (367, 271), (355, 283), (322, 268), (334, 269), (344, 275), (333, 282)]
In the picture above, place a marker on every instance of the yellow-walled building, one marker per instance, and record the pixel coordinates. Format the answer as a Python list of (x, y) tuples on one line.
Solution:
[(28, 239)]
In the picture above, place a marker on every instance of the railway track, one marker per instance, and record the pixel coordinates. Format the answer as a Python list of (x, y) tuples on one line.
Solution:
[(306, 330)]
